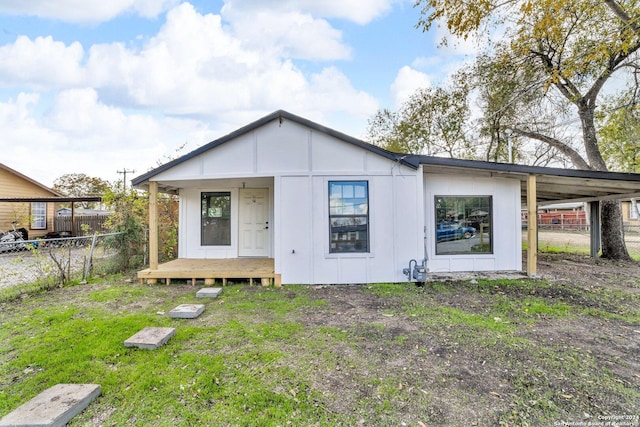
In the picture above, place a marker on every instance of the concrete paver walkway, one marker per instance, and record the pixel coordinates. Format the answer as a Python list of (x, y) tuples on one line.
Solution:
[(54, 407)]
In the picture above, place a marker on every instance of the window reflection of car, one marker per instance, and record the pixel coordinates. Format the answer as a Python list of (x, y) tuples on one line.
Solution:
[(453, 231)]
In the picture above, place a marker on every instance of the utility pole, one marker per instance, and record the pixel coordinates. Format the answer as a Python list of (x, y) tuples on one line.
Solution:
[(124, 172)]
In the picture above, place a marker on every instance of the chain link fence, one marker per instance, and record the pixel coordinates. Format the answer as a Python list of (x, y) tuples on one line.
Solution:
[(49, 262)]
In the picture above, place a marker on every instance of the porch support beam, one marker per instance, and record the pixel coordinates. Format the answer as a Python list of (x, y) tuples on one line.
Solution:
[(532, 226), (153, 225), (594, 229)]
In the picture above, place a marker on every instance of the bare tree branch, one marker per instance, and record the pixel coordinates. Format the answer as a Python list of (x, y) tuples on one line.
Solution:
[(572, 154), (622, 15)]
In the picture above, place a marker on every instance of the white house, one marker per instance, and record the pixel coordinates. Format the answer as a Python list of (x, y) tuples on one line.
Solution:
[(328, 208)]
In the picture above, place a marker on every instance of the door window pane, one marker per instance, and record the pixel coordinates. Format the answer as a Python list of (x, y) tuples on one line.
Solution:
[(216, 219)]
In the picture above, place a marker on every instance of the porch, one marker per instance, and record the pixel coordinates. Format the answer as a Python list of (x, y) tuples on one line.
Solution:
[(210, 270)]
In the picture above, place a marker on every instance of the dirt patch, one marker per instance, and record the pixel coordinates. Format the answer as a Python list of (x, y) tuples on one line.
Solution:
[(449, 372)]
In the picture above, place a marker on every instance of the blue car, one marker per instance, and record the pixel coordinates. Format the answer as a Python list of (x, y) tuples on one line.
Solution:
[(453, 231)]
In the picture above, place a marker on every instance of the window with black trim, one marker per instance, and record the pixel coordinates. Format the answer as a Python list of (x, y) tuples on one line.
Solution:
[(216, 219), (348, 216), (463, 225)]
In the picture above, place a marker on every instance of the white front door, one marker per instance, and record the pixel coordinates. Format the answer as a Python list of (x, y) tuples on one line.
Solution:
[(253, 227)]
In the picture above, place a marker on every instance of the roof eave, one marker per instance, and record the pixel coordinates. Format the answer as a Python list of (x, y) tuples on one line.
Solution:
[(280, 115)]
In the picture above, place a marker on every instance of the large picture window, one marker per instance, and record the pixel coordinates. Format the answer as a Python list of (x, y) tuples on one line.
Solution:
[(348, 216), (463, 225), (38, 216), (216, 219)]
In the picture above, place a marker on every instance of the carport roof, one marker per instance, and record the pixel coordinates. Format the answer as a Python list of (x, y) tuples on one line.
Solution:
[(61, 199), (554, 185)]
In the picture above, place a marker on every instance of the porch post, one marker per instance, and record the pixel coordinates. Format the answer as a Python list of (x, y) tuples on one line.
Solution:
[(594, 229), (153, 225), (532, 226)]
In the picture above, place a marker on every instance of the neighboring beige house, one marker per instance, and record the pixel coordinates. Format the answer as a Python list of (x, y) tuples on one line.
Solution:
[(35, 216), (630, 214)]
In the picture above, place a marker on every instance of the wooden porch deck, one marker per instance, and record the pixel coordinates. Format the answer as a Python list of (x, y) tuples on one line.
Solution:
[(211, 270)]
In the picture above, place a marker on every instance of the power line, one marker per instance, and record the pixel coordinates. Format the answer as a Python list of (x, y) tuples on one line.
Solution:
[(124, 172)]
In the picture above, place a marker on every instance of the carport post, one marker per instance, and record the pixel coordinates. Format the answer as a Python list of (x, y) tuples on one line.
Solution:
[(594, 229), (532, 226), (153, 225)]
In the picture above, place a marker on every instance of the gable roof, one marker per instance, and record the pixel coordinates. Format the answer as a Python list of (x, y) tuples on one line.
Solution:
[(553, 184), (32, 181), (279, 115)]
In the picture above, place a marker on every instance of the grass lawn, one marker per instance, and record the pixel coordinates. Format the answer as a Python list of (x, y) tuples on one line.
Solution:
[(500, 352)]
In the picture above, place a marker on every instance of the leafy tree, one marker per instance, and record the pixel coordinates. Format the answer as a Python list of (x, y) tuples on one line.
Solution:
[(571, 49), (506, 93), (131, 217), (619, 133), (431, 122), (79, 185)]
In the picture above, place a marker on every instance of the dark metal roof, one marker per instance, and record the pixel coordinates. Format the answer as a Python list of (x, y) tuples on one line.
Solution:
[(279, 115), (553, 184), (520, 169), (61, 199)]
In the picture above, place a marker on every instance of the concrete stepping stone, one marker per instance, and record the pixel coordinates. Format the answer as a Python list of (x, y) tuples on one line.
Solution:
[(209, 292), (150, 338), (187, 311), (54, 407)]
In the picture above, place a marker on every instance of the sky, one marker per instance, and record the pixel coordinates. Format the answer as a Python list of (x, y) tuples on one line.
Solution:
[(97, 87)]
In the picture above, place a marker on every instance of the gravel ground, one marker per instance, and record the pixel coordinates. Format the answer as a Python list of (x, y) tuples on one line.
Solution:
[(27, 266)]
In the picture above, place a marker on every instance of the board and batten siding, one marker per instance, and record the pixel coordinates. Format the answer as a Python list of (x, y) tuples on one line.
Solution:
[(296, 163), (12, 185), (506, 225)]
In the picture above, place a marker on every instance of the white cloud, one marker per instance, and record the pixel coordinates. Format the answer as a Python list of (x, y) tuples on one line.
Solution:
[(358, 11), (88, 11), (42, 61), (289, 34), (193, 66), (102, 107), (407, 81), (81, 135)]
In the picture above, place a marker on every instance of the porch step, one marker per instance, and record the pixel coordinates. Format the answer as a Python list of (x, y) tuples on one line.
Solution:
[(54, 407), (150, 338)]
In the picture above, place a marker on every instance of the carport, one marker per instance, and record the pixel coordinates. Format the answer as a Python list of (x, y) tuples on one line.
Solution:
[(63, 199), (542, 186)]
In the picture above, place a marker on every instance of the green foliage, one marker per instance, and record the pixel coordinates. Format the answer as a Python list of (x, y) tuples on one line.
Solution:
[(553, 55), (79, 184), (619, 132), (128, 218), (430, 122)]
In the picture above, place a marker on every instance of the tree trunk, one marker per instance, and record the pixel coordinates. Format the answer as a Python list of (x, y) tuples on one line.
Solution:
[(613, 246), (586, 112)]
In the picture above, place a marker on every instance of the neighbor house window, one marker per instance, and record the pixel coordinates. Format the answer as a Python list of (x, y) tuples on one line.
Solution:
[(633, 212), (463, 225), (216, 219), (39, 216), (348, 216)]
